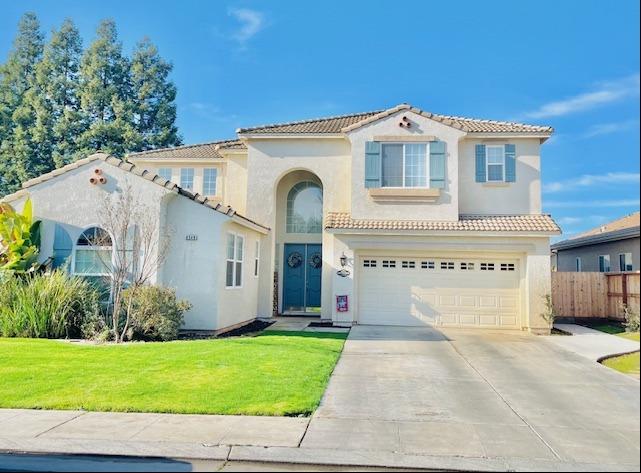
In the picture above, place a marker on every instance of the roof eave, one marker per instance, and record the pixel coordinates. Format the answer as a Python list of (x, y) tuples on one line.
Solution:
[(366, 231), (271, 136)]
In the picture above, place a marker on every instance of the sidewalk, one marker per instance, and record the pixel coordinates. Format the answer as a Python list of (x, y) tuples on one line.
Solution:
[(592, 344), (222, 438)]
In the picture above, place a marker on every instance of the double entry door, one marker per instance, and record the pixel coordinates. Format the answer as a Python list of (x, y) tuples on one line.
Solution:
[(302, 277)]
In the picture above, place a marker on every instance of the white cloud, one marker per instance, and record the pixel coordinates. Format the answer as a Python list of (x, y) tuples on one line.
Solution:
[(589, 180), (582, 220), (604, 93), (566, 204), (251, 23), (609, 128)]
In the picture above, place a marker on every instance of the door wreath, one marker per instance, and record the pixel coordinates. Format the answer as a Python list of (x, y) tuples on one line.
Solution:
[(294, 260)]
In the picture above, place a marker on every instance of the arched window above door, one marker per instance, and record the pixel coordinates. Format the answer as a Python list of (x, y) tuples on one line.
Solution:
[(305, 208)]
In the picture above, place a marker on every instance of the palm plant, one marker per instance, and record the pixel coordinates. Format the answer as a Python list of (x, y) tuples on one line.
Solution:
[(19, 239)]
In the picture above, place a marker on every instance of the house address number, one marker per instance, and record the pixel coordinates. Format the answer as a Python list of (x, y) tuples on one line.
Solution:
[(191, 237)]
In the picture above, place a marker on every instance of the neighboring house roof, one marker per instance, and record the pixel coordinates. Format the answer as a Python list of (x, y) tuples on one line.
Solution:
[(198, 151), (620, 229), (472, 223), (347, 123), (145, 174)]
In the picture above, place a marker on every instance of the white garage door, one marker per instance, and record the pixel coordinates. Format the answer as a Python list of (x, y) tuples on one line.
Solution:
[(451, 292)]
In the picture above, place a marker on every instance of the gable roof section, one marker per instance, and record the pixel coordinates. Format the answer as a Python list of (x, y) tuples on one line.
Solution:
[(143, 173), (466, 223), (346, 123), (198, 151), (620, 229)]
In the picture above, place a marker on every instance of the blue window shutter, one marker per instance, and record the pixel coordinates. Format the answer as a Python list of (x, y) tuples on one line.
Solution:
[(438, 164), (62, 247), (510, 163), (372, 164), (481, 168)]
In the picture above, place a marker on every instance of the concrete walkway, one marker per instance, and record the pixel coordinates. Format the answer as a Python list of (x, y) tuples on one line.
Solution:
[(591, 344), (401, 398)]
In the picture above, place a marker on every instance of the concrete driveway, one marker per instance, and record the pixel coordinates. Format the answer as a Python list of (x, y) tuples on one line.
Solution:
[(476, 394)]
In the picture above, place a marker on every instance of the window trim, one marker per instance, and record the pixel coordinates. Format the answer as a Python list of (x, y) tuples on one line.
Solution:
[(76, 247), (215, 169), (193, 173), (427, 164), (235, 261), (487, 163), (256, 259), (605, 258)]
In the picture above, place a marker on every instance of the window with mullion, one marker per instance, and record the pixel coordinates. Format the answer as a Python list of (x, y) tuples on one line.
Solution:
[(495, 163), (234, 267), (209, 181), (404, 165)]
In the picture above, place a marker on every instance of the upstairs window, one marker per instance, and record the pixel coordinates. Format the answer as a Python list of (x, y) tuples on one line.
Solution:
[(495, 163), (187, 179), (165, 173), (404, 165), (209, 181)]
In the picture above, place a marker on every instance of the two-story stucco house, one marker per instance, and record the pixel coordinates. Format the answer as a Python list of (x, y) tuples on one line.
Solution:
[(392, 217)]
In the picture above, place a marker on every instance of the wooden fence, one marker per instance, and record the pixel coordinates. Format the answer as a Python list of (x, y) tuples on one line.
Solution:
[(594, 294)]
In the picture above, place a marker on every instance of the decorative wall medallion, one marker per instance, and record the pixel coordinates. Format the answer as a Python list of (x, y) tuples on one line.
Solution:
[(294, 260), (316, 261)]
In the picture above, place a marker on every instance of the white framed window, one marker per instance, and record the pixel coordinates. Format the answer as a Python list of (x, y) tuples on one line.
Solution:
[(187, 178), (467, 266), (604, 263), (495, 163), (405, 165), (165, 173), (408, 264), (235, 254), (625, 262), (578, 264), (447, 265), (256, 258), (369, 263), (428, 265), (209, 181), (389, 264), (305, 208), (93, 253), (487, 266)]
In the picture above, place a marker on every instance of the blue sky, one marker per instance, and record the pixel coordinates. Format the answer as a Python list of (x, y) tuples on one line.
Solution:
[(570, 64)]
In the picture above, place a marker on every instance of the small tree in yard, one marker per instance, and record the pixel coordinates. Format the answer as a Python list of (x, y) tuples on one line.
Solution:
[(140, 248)]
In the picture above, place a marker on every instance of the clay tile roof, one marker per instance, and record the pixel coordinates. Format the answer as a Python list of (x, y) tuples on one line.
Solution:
[(472, 223), (328, 125), (198, 151), (145, 174), (346, 123)]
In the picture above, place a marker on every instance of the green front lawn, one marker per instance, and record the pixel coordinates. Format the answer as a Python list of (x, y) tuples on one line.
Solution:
[(613, 328), (628, 364), (275, 373)]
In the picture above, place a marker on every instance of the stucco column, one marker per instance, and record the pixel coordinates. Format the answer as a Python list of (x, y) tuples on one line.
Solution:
[(538, 281)]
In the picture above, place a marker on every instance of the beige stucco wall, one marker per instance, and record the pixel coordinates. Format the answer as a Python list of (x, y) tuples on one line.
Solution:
[(445, 208), (520, 197), (196, 269), (268, 162)]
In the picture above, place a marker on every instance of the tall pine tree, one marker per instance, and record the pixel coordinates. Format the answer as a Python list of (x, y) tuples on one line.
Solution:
[(58, 77), (154, 97), (105, 95), (20, 156)]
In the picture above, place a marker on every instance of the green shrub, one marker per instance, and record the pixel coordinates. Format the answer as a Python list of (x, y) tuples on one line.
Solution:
[(631, 319), (46, 305), (155, 313)]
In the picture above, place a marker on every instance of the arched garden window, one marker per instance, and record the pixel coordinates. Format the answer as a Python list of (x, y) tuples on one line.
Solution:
[(305, 208), (93, 253)]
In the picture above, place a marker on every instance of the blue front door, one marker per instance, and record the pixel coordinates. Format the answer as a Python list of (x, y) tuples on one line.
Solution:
[(302, 277)]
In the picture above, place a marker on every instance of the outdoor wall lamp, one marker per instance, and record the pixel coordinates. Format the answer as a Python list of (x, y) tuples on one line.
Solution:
[(343, 260)]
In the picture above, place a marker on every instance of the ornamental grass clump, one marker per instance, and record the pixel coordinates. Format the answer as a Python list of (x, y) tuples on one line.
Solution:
[(46, 305)]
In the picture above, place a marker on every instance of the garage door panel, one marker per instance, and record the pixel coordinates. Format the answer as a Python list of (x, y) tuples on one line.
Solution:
[(447, 292)]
